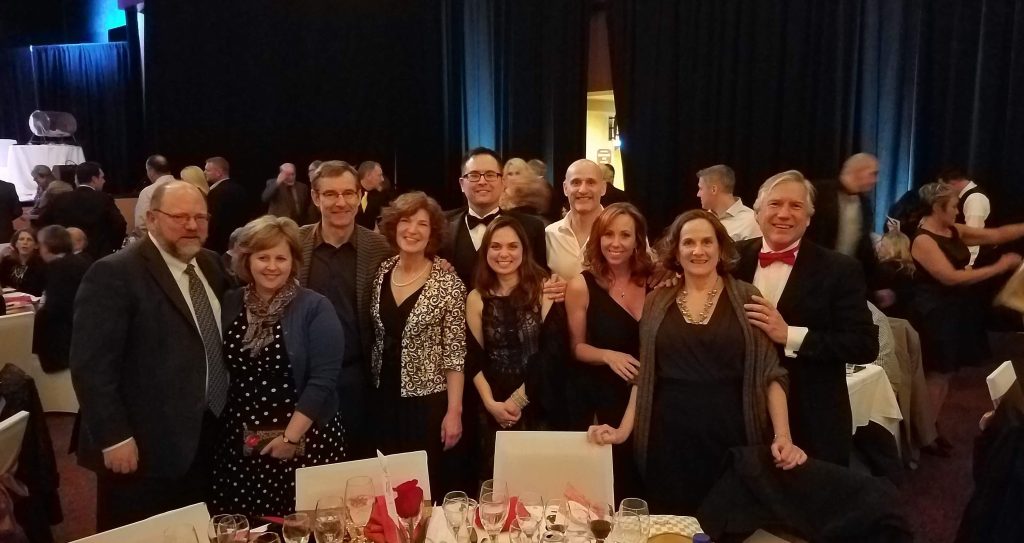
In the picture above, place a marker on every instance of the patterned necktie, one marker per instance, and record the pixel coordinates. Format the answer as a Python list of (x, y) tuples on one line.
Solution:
[(217, 374)]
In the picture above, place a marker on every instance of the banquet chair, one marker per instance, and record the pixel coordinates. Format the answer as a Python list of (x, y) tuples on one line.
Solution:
[(1000, 381), (12, 432), (316, 482), (152, 529), (549, 462)]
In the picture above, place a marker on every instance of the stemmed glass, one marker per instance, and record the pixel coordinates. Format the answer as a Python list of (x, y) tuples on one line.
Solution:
[(359, 497), (493, 512), (472, 506), (296, 528), (601, 520), (329, 520), (493, 485), (266, 537), (576, 516), (639, 507), (628, 528), (555, 508), (454, 507), (530, 513)]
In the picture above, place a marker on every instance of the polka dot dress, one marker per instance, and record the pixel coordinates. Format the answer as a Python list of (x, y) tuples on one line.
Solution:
[(262, 394)]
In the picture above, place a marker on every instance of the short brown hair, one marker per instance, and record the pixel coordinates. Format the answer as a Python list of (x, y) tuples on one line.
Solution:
[(262, 234), (640, 263), (221, 163), (720, 174), (334, 168), (668, 247), (407, 205), (366, 168)]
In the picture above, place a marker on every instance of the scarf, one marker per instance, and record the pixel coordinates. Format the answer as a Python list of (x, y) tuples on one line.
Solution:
[(262, 316)]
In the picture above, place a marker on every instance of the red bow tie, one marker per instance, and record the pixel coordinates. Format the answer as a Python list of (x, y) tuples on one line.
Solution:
[(787, 257)]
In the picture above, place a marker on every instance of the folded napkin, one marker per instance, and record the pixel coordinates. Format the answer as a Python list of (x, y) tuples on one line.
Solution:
[(382, 529), (513, 507)]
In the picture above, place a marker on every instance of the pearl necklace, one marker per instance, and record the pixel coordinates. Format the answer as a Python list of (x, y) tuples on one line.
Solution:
[(411, 281), (704, 314)]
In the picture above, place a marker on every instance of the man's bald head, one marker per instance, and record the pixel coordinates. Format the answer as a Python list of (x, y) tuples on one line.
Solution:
[(178, 220), (286, 173), (79, 241), (584, 186)]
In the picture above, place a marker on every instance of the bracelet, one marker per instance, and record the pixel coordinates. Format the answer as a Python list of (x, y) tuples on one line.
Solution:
[(787, 436), (288, 441), (519, 399)]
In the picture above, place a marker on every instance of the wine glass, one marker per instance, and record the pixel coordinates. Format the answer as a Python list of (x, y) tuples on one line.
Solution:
[(629, 528), (530, 513), (182, 533), (217, 527), (575, 515), (493, 485), (553, 510), (296, 528), (329, 520), (600, 520), (454, 507), (241, 528), (493, 513), (266, 537), (359, 497), (640, 508)]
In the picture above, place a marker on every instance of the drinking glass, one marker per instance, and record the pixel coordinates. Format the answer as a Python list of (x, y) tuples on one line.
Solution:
[(329, 520), (628, 528), (359, 497), (554, 518), (266, 537), (601, 520), (296, 528), (216, 526), (240, 530), (530, 513), (493, 485), (454, 507), (493, 512), (472, 506), (182, 533), (640, 508), (575, 515)]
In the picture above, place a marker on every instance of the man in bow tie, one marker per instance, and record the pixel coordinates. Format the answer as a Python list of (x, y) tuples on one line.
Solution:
[(812, 306)]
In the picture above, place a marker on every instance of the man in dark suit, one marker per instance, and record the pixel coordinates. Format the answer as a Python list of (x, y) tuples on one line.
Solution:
[(286, 197), (340, 260), (51, 339), (844, 219), (813, 307), (10, 210), (146, 363), (612, 194), (89, 208), (482, 183), (374, 197), (228, 204)]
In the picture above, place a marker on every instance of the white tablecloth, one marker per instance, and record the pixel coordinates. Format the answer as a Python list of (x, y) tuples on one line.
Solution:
[(872, 399), (55, 390), (22, 158)]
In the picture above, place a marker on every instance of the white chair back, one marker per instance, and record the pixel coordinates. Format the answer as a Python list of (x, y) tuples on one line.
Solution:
[(1000, 381), (547, 462), (12, 432), (317, 482), (152, 529)]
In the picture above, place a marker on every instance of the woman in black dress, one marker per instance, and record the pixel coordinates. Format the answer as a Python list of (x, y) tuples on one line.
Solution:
[(419, 315), (23, 269), (945, 311), (505, 313), (604, 306), (708, 380), (282, 346)]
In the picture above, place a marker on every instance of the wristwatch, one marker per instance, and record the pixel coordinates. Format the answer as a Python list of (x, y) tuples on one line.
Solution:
[(288, 441)]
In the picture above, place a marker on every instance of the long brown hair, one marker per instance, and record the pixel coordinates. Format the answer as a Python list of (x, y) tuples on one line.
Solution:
[(527, 293), (640, 262)]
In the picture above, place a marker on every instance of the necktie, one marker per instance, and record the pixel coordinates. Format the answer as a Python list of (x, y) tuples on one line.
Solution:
[(365, 200), (217, 374), (473, 222), (786, 257)]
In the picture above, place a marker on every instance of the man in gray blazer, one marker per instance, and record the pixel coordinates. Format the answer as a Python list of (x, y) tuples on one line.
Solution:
[(146, 363), (339, 260), (286, 197)]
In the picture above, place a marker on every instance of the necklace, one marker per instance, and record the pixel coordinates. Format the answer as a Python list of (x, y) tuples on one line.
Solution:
[(704, 314), (411, 281)]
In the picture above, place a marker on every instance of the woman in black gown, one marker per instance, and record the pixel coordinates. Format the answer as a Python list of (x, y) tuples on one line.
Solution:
[(604, 305), (419, 315), (23, 269), (708, 380)]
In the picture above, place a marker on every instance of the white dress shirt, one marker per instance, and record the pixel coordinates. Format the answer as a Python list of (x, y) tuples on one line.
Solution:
[(564, 249), (477, 233), (145, 198), (740, 221), (771, 281), (976, 210)]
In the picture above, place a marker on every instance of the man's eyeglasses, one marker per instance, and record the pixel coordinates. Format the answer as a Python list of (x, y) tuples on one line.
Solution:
[(331, 196), (182, 218), (488, 176)]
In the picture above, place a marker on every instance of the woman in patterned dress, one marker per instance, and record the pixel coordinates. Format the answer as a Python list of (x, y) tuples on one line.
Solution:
[(283, 346)]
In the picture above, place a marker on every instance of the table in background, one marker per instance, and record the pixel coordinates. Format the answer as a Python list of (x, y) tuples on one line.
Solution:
[(22, 158), (55, 390), (873, 400)]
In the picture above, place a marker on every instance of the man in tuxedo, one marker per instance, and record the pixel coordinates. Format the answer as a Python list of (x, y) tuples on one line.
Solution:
[(482, 183), (813, 307), (374, 198), (10, 210), (158, 172), (715, 188), (147, 366), (51, 339), (340, 260), (228, 204), (286, 197), (89, 208), (613, 194)]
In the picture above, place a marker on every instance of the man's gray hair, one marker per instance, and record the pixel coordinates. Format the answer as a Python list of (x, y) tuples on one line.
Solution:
[(722, 175), (788, 176)]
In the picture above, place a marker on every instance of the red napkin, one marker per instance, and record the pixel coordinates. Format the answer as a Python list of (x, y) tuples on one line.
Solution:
[(381, 529), (513, 507)]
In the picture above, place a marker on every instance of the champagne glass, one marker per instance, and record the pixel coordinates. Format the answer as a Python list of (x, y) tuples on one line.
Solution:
[(359, 497), (329, 520), (182, 533), (530, 513), (493, 512), (296, 528), (601, 520), (493, 485), (640, 508), (471, 509), (454, 507), (266, 537)]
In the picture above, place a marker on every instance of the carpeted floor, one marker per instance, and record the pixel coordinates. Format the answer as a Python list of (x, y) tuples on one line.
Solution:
[(935, 494)]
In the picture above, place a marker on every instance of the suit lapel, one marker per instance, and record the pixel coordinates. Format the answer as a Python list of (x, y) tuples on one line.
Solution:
[(158, 268), (363, 272), (748, 260), (213, 272), (801, 275)]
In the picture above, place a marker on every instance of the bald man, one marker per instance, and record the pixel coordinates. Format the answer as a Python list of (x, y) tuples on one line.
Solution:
[(286, 197), (584, 185)]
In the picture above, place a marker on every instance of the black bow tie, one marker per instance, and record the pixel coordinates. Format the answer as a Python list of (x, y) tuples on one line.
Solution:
[(473, 222)]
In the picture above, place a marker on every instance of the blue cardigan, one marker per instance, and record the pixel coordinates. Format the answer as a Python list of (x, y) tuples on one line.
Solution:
[(315, 343)]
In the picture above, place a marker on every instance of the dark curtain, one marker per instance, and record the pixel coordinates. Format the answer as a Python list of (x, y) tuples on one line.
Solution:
[(17, 93), (93, 83)]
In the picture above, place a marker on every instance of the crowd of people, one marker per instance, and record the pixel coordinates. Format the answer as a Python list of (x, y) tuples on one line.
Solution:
[(213, 355)]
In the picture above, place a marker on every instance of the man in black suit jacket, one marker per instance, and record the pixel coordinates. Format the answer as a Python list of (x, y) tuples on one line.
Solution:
[(612, 194), (89, 208), (51, 339), (228, 204), (10, 210), (374, 196), (813, 307), (146, 363)]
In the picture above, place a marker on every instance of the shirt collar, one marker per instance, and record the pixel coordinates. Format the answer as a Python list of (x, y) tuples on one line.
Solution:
[(734, 209), (176, 266), (765, 249), (218, 182), (163, 179), (90, 187), (353, 239), (970, 185), (469, 211)]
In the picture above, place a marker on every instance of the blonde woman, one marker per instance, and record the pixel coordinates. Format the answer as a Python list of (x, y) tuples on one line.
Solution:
[(193, 175)]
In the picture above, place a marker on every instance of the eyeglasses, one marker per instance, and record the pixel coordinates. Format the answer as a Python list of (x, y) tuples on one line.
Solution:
[(488, 176), (331, 196), (181, 219)]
